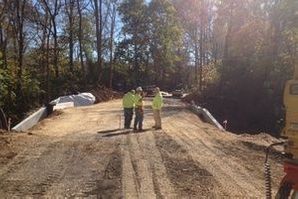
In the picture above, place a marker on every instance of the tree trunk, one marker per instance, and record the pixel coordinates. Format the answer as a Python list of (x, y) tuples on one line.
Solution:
[(201, 60), (20, 7), (80, 38), (113, 18), (100, 40), (3, 46), (136, 64), (43, 61), (53, 15), (71, 43), (48, 88), (56, 54), (196, 61), (98, 24), (3, 34)]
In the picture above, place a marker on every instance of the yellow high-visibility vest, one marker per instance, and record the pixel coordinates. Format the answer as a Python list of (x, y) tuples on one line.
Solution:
[(157, 101), (128, 100), (138, 100)]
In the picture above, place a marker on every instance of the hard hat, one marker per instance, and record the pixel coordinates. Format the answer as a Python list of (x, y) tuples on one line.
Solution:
[(139, 89)]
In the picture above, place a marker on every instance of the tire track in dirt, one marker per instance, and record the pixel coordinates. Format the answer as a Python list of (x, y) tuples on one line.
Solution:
[(243, 175), (162, 185), (33, 175), (105, 183), (93, 172), (144, 174), (239, 183), (252, 160), (137, 177), (129, 181), (207, 160), (237, 150), (28, 153), (190, 178), (71, 166)]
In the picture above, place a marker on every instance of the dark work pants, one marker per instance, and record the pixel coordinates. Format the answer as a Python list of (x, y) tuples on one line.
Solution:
[(128, 113), (138, 119)]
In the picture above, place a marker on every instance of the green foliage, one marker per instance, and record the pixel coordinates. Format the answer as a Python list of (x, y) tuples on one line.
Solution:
[(166, 36), (31, 86), (135, 27), (259, 58), (153, 38), (6, 82), (9, 100)]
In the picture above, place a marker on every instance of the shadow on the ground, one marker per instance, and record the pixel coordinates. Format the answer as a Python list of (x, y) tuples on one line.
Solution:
[(109, 131), (117, 134), (125, 132)]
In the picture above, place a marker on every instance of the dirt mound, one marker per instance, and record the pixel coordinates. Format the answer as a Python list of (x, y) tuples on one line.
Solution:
[(2, 131), (261, 138), (6, 152), (55, 113), (103, 94), (12, 143)]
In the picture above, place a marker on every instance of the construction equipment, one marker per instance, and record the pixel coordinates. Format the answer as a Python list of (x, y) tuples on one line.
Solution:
[(289, 184)]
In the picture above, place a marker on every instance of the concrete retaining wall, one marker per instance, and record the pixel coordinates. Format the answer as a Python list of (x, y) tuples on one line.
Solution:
[(206, 115), (31, 120)]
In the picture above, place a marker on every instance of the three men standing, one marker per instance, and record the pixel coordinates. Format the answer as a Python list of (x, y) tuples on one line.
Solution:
[(132, 100)]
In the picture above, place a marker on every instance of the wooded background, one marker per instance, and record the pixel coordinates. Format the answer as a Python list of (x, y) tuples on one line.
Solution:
[(234, 56)]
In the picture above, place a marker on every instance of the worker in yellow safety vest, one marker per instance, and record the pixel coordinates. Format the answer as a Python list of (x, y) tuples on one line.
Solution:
[(128, 103), (156, 106), (139, 110)]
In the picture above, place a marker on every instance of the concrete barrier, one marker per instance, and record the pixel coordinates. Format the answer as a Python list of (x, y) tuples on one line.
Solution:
[(206, 115), (63, 105), (31, 120)]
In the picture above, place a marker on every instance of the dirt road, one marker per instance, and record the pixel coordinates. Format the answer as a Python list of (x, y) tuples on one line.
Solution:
[(81, 152)]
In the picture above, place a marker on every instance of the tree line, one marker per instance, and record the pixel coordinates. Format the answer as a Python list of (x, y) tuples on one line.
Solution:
[(234, 56)]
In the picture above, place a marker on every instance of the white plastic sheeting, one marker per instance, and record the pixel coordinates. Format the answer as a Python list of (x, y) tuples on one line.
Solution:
[(82, 99)]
